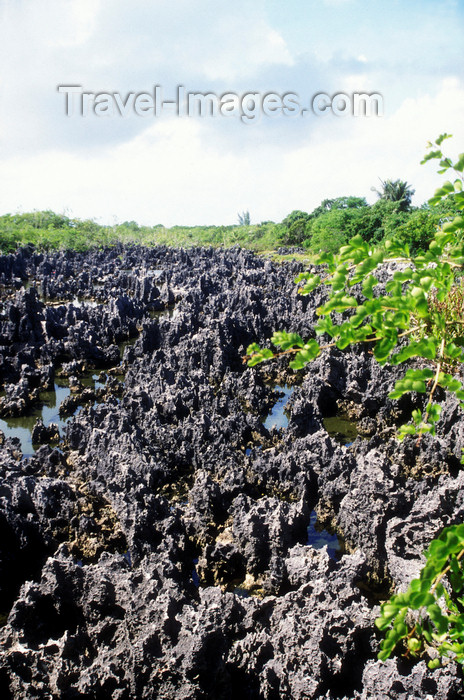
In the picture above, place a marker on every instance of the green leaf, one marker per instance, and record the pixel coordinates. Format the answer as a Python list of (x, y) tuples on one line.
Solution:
[(325, 325), (433, 412), (383, 349), (382, 623), (459, 165), (286, 340), (442, 137), (390, 609), (446, 188), (452, 351), (456, 224), (403, 275), (404, 430), (254, 347), (438, 619), (384, 654), (401, 629), (421, 307), (425, 348), (421, 599), (359, 316), (414, 645), (310, 351), (431, 155), (368, 286), (260, 356)]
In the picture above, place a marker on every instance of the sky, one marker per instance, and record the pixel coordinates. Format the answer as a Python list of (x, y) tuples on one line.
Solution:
[(191, 169)]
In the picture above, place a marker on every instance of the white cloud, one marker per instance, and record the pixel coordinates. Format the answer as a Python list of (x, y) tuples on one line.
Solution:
[(258, 44), (111, 45), (349, 156), (356, 82), (173, 173), (204, 171), (166, 175)]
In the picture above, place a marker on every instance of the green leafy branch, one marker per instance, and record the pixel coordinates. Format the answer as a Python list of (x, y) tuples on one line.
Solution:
[(402, 319), (437, 596)]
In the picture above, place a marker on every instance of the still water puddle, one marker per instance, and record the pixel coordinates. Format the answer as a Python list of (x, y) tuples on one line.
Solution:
[(22, 426), (134, 272), (341, 428), (77, 302), (169, 312), (278, 416), (318, 538), (48, 410)]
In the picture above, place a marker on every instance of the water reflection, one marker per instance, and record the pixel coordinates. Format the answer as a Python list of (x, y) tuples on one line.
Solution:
[(278, 417), (319, 538), (22, 426), (341, 428)]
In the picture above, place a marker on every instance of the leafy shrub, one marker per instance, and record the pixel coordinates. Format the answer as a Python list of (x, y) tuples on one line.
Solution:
[(294, 228), (417, 231)]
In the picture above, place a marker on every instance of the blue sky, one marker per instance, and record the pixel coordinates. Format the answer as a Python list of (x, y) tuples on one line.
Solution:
[(203, 170)]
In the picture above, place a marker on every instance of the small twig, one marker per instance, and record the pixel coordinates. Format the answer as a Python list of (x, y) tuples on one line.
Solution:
[(444, 572), (435, 381)]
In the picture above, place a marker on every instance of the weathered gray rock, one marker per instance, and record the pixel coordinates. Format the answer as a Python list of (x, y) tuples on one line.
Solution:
[(162, 551)]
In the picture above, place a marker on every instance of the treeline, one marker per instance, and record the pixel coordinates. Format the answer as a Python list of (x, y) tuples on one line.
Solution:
[(327, 227), (335, 221)]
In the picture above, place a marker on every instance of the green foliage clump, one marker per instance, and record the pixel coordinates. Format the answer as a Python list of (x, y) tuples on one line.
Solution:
[(436, 628), (294, 228), (49, 231), (417, 230), (331, 230)]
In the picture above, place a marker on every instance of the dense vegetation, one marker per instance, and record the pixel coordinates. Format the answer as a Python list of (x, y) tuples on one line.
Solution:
[(330, 225), (51, 231)]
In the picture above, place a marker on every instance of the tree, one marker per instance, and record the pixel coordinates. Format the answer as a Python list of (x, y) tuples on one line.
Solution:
[(327, 227), (244, 218), (396, 191), (295, 227), (329, 231), (338, 203), (417, 231), (380, 220)]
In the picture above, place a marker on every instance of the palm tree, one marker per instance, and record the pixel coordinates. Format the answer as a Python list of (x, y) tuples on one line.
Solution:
[(244, 218), (396, 191)]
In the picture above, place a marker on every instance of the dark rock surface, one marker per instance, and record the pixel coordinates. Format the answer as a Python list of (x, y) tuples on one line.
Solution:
[(161, 551)]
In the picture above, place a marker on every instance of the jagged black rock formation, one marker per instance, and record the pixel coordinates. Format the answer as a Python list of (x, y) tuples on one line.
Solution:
[(45, 433), (161, 550)]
